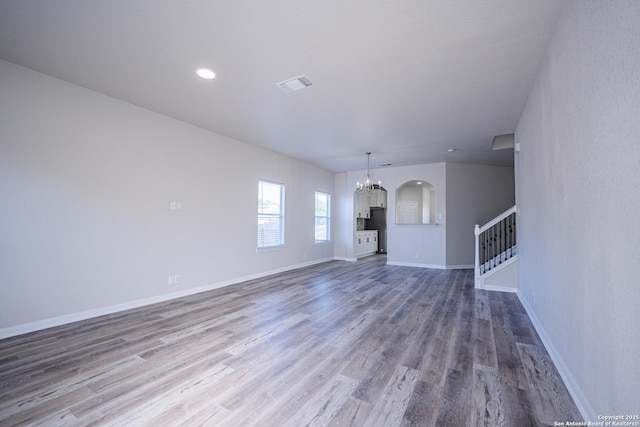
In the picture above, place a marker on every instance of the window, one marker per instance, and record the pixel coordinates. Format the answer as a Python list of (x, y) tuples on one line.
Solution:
[(270, 215), (323, 210)]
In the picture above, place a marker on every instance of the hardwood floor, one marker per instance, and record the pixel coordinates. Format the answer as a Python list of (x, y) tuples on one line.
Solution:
[(349, 344)]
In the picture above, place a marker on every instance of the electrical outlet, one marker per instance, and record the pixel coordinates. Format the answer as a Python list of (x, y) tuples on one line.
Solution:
[(417, 256), (174, 279)]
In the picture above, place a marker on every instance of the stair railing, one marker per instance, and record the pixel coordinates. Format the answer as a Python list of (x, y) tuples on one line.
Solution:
[(495, 242)]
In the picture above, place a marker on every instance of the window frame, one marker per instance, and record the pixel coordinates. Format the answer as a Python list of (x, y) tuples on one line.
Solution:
[(280, 216), (326, 217)]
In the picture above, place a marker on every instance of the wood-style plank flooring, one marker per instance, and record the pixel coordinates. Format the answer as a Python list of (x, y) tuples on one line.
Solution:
[(344, 344)]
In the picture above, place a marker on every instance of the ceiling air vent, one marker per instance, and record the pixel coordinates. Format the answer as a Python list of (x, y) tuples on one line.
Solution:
[(500, 142), (294, 84)]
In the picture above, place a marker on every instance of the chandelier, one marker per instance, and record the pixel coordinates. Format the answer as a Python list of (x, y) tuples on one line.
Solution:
[(367, 186)]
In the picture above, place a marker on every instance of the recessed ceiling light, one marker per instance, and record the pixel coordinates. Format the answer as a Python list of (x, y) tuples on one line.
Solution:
[(205, 73), (451, 150)]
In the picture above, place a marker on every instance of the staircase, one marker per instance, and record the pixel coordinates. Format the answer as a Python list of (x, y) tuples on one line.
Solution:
[(496, 261)]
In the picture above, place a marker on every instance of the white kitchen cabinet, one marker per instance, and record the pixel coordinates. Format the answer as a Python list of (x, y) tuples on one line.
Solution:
[(358, 244), (366, 243), (362, 205), (374, 241), (378, 199)]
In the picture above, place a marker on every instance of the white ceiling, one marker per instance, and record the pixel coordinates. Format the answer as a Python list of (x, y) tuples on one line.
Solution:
[(404, 79)]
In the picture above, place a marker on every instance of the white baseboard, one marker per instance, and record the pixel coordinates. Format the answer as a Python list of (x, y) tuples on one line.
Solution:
[(366, 254), (498, 288), (412, 264), (88, 314), (575, 391), (460, 267), (345, 259), (434, 266)]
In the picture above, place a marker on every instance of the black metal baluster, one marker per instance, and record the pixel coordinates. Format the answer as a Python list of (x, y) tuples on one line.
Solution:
[(487, 253), (493, 246), (488, 264), (515, 237), (483, 253), (508, 230), (501, 240), (498, 244), (506, 237), (511, 240)]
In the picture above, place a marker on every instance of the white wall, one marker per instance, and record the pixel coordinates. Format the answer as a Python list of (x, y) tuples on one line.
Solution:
[(344, 225), (475, 195), (503, 279), (577, 186), (419, 245), (85, 192)]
